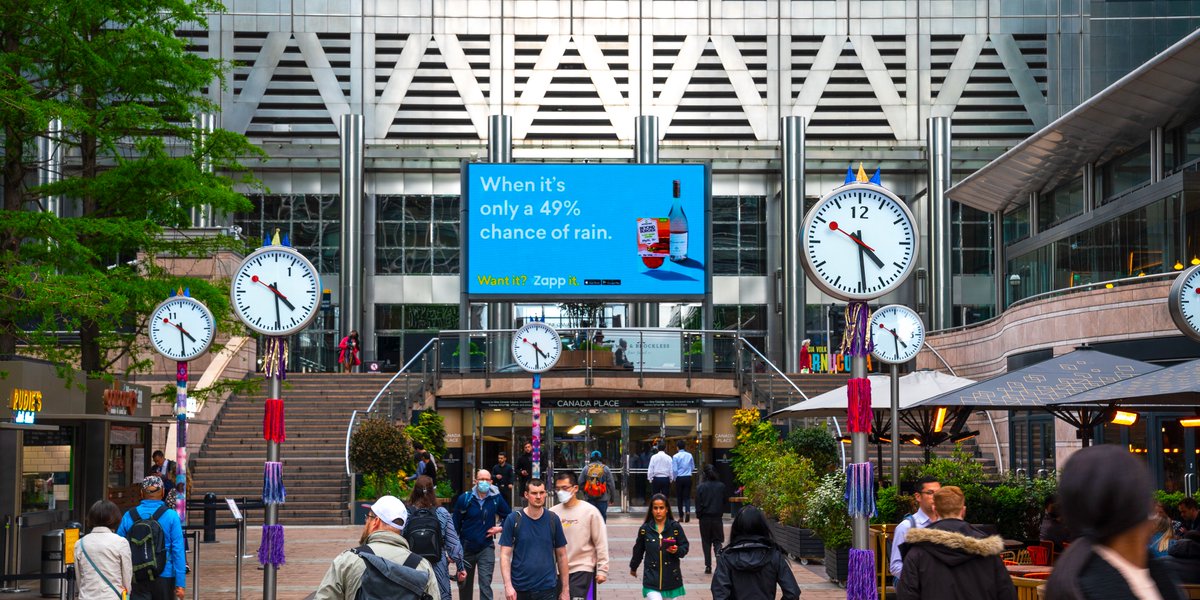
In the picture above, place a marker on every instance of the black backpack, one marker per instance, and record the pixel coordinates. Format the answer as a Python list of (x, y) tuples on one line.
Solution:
[(423, 530), (385, 580), (147, 545)]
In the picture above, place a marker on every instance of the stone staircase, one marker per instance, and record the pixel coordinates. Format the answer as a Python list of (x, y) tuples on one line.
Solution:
[(318, 407)]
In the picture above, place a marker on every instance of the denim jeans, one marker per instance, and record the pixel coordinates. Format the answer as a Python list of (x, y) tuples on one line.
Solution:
[(485, 560)]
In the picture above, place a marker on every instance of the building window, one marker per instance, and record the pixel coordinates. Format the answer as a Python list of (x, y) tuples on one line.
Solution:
[(1060, 204), (1016, 224), (417, 235), (403, 329), (971, 263), (739, 235), (1123, 173), (1183, 146), (311, 222)]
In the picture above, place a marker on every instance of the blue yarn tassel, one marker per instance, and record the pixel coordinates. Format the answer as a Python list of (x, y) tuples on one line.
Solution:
[(273, 490), (860, 580), (860, 492)]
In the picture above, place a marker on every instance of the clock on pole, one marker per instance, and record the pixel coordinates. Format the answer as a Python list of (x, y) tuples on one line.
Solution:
[(181, 328), (898, 333), (276, 291), (1184, 302), (536, 347), (859, 242)]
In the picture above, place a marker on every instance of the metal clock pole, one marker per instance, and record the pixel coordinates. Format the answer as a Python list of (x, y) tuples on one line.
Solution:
[(896, 425), (271, 510), (858, 445), (181, 428), (537, 425)]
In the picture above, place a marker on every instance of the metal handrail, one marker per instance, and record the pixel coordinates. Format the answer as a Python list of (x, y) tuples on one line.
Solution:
[(403, 370), (772, 365)]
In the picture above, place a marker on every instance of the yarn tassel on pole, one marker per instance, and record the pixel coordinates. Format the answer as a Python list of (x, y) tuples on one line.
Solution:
[(860, 493), (860, 577), (270, 551), (859, 409), (273, 490), (274, 429), (275, 358)]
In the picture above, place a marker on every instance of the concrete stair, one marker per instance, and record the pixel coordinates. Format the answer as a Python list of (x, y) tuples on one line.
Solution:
[(318, 407)]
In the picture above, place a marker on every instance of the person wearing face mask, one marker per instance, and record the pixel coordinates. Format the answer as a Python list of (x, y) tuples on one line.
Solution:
[(587, 537), (475, 514)]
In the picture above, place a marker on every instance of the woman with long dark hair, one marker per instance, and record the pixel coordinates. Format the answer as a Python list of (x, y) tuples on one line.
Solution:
[(751, 565), (1106, 499), (660, 540), (424, 498)]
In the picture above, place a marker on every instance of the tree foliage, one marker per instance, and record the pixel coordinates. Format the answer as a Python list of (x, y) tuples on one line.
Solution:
[(379, 448), (126, 89), (430, 432), (817, 445)]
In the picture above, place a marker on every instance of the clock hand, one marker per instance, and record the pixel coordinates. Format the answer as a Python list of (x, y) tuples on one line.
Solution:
[(277, 318), (862, 266), (857, 237), (180, 328), (182, 342), (893, 332), (274, 287)]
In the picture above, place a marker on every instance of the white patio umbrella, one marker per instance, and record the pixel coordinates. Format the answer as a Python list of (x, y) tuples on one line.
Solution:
[(914, 387)]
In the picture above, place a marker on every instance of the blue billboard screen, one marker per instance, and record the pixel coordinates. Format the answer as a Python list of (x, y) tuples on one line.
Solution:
[(580, 230)]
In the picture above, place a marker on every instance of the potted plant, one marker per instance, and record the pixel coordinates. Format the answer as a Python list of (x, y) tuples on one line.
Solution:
[(380, 451), (827, 515)]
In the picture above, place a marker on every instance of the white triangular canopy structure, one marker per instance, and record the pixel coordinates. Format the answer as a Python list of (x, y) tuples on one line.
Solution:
[(914, 387)]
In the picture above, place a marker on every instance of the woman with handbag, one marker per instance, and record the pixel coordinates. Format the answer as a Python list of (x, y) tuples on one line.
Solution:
[(103, 567)]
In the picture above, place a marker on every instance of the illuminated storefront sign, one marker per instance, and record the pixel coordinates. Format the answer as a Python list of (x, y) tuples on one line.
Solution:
[(120, 402), (26, 404)]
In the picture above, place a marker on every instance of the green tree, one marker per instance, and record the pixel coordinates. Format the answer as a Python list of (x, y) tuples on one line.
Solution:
[(430, 432), (126, 89), (817, 445), (379, 449)]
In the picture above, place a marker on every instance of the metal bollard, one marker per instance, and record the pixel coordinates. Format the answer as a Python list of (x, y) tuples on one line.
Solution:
[(12, 550), (195, 583), (210, 518)]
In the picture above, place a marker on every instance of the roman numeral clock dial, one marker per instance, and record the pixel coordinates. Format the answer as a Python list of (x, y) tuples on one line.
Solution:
[(276, 291), (859, 242), (1184, 302), (181, 328)]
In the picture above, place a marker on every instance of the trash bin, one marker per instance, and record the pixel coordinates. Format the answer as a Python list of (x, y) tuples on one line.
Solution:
[(52, 562)]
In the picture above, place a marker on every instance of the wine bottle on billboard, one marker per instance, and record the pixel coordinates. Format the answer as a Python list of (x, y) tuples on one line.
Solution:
[(679, 226)]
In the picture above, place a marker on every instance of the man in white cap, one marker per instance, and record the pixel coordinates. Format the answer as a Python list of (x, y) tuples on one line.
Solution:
[(382, 537)]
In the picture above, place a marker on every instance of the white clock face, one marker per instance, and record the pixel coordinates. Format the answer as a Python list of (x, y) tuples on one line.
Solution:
[(536, 347), (1184, 302), (897, 333), (181, 328), (859, 242), (276, 291)]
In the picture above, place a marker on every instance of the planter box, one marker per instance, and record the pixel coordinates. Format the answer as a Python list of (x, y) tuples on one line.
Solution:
[(837, 564), (797, 542)]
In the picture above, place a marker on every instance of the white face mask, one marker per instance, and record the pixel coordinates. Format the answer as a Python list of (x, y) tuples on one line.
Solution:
[(564, 496)]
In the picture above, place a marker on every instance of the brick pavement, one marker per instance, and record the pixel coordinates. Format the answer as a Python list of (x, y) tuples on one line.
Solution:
[(310, 550)]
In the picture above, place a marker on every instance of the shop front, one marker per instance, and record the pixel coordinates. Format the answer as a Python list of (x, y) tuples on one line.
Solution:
[(64, 445), (623, 430)]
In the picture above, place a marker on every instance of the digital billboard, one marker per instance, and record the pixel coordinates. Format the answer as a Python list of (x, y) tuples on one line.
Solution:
[(567, 231)]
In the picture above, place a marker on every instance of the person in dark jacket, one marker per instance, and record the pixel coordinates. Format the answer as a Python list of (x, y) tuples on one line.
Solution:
[(751, 565), (1105, 497), (1185, 558), (660, 540), (710, 505), (950, 559), (475, 513), (503, 477)]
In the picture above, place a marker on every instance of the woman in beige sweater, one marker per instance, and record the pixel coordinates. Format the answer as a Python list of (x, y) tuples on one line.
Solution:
[(103, 567)]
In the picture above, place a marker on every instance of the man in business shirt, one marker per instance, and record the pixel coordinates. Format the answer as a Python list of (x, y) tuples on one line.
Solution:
[(660, 472), (682, 465), (925, 489)]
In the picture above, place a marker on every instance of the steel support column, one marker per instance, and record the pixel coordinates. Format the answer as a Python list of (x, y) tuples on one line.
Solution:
[(205, 123), (940, 275), (50, 157), (791, 130), (500, 314), (645, 152), (351, 188)]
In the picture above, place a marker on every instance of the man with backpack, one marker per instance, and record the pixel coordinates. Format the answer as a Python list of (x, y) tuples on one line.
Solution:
[(597, 484), (155, 538), (475, 514), (383, 566), (533, 551)]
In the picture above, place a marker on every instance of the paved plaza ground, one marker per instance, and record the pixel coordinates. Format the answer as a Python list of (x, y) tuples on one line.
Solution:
[(310, 550)]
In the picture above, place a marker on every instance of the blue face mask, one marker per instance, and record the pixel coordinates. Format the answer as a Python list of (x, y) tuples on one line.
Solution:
[(483, 487)]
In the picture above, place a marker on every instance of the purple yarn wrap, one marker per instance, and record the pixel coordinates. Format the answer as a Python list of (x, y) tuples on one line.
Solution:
[(856, 341), (860, 579), (270, 551), (273, 490)]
